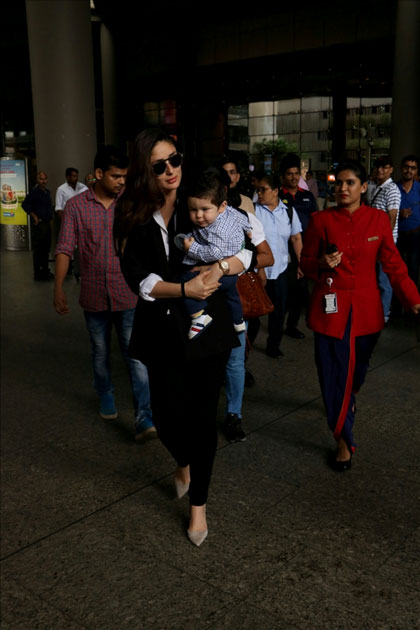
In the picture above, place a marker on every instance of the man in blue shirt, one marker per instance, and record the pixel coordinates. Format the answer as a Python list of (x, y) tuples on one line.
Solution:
[(38, 205), (409, 216)]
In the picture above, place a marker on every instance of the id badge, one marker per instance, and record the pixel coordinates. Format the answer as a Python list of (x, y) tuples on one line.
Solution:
[(330, 299), (331, 303)]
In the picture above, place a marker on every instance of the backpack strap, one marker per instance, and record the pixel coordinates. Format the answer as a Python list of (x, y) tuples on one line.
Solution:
[(289, 210)]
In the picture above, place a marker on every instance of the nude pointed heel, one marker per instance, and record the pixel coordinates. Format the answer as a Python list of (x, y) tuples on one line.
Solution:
[(197, 537), (181, 488)]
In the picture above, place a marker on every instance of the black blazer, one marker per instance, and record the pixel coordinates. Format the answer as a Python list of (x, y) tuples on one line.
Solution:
[(161, 327)]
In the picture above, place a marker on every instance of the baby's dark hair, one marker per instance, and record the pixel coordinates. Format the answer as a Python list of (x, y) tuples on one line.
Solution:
[(208, 184)]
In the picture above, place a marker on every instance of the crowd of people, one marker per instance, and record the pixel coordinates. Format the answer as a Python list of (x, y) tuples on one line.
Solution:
[(159, 255)]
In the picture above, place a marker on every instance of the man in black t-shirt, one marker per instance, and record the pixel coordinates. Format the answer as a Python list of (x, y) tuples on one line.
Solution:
[(305, 204)]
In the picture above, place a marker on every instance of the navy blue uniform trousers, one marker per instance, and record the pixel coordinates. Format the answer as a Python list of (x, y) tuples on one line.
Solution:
[(342, 365)]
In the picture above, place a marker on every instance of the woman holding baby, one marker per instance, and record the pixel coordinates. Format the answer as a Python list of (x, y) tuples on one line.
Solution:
[(184, 374)]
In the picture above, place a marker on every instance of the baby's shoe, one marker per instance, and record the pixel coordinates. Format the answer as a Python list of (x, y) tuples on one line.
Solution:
[(239, 326), (199, 325)]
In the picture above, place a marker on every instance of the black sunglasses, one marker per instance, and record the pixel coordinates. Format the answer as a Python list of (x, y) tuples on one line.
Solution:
[(174, 160)]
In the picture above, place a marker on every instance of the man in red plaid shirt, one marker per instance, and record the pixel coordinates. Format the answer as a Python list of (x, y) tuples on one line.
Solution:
[(104, 295)]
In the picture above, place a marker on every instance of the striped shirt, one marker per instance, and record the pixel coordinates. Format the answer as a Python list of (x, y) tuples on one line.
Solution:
[(88, 224), (387, 197), (222, 238)]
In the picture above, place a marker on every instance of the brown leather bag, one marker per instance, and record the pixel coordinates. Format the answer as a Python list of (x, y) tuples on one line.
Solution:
[(254, 299)]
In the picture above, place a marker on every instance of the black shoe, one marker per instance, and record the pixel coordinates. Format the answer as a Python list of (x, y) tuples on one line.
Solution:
[(274, 352), (340, 466), (249, 379), (232, 428), (295, 333)]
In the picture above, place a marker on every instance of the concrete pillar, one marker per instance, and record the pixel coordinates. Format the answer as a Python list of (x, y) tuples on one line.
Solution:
[(109, 88), (61, 58), (405, 129)]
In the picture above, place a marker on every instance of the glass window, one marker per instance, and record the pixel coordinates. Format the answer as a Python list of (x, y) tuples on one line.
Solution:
[(315, 103), (288, 124), (151, 117), (287, 107), (150, 106), (314, 122), (238, 122), (261, 126), (261, 109), (237, 111), (311, 142)]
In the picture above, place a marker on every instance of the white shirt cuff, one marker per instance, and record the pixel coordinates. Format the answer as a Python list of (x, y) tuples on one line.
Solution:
[(147, 285), (245, 256)]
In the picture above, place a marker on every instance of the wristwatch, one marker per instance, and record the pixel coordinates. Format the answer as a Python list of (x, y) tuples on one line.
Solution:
[(224, 266)]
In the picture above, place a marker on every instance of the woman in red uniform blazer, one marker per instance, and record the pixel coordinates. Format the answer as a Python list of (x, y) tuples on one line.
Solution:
[(342, 246)]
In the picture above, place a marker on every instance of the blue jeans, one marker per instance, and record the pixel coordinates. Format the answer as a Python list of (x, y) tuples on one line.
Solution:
[(386, 291), (235, 377), (99, 326)]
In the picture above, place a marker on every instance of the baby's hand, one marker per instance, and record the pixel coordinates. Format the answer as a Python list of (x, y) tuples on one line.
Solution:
[(188, 242)]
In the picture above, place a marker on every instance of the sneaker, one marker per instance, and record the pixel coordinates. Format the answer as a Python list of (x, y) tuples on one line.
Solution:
[(240, 326), (144, 430), (232, 428), (199, 325), (107, 409)]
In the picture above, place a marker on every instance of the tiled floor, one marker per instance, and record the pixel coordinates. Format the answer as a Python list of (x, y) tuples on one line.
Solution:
[(92, 536)]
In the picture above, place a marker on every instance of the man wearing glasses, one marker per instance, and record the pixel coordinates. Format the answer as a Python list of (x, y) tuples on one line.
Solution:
[(409, 216), (386, 196)]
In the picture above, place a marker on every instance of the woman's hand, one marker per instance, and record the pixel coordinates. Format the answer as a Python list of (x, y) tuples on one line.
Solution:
[(416, 309), (203, 285), (329, 261)]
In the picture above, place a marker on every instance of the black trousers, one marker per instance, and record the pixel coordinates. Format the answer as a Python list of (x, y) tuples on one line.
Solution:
[(277, 292), (184, 398), (41, 245), (409, 247)]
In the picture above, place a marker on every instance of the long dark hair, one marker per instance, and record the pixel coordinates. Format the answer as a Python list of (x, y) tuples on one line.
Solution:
[(142, 196)]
